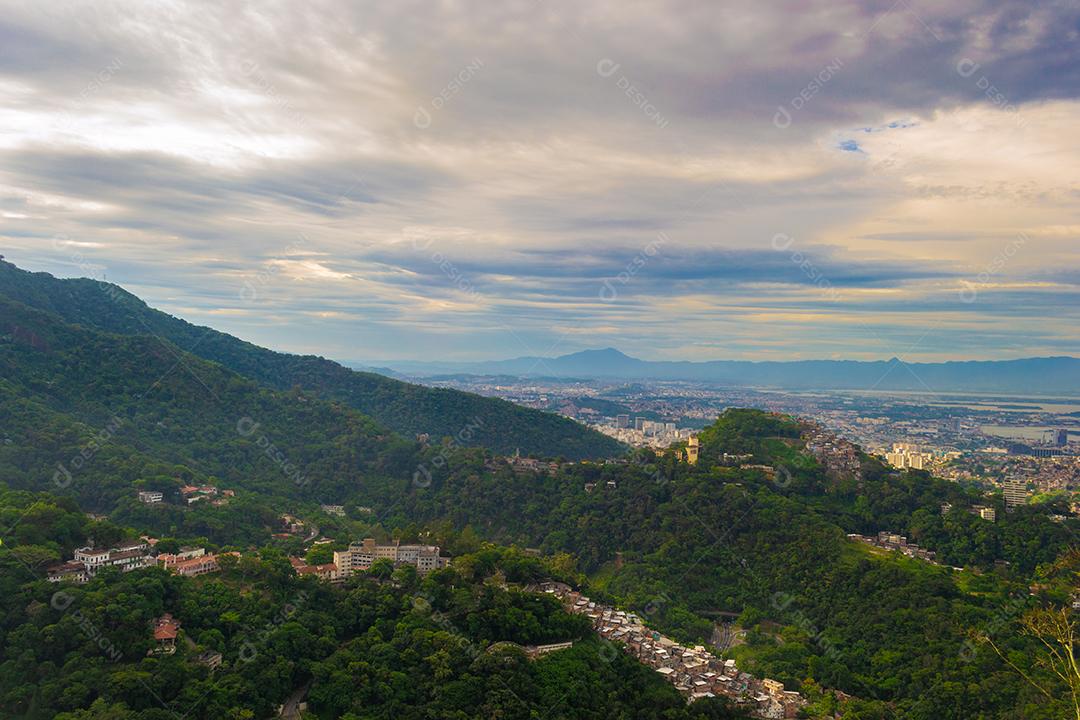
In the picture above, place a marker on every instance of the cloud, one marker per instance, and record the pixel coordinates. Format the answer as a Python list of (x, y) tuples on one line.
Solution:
[(392, 177)]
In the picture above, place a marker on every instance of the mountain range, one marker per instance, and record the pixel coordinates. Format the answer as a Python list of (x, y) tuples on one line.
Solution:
[(1030, 375)]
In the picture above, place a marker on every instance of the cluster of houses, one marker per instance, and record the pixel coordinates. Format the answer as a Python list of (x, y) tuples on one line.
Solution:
[(194, 561), (695, 672), (522, 464), (197, 493), (837, 455), (892, 541), (191, 494), (131, 556)]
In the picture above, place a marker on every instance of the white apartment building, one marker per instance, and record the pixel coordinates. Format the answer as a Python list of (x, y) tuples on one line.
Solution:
[(131, 556), (906, 455), (91, 558), (361, 556)]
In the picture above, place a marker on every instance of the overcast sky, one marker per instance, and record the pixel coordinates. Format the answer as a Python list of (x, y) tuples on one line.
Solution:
[(467, 180)]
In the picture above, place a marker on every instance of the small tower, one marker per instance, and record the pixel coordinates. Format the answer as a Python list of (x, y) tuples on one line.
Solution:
[(692, 448)]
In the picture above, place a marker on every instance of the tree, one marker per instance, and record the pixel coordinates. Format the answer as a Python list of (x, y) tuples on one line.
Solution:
[(320, 555), (1056, 630), (168, 545), (382, 569), (34, 555), (406, 577)]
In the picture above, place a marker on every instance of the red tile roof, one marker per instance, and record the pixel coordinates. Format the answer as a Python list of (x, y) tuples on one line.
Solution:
[(166, 628)]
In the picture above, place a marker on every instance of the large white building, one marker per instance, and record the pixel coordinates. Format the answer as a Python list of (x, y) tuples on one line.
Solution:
[(362, 555), (906, 455), (88, 561)]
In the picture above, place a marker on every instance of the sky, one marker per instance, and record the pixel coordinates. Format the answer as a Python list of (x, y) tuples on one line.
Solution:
[(475, 180)]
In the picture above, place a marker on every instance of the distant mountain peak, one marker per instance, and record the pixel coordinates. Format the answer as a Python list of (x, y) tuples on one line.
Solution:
[(601, 353)]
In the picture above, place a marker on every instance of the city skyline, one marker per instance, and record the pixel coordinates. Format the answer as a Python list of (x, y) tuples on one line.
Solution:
[(373, 182)]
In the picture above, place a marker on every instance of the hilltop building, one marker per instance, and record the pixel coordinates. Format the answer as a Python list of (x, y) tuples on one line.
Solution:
[(191, 561), (165, 631), (362, 555), (88, 561), (693, 449), (195, 493), (72, 571), (325, 571)]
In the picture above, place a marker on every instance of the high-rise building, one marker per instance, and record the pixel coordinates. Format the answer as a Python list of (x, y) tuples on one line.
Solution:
[(639, 423), (622, 421), (1061, 437), (906, 455), (1015, 490)]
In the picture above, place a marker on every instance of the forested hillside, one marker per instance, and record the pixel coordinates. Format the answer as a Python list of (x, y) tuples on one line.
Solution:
[(696, 541), (401, 407), (389, 646), (99, 415)]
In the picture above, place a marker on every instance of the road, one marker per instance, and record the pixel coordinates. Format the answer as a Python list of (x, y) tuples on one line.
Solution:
[(291, 708)]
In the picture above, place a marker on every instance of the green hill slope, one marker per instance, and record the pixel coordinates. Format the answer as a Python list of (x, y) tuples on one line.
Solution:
[(683, 545), (96, 414), (402, 407)]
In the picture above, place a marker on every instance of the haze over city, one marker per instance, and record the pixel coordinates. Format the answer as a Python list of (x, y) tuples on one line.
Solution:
[(395, 181)]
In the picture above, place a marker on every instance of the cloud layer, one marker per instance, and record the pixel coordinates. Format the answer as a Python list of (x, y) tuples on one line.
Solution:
[(469, 180)]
